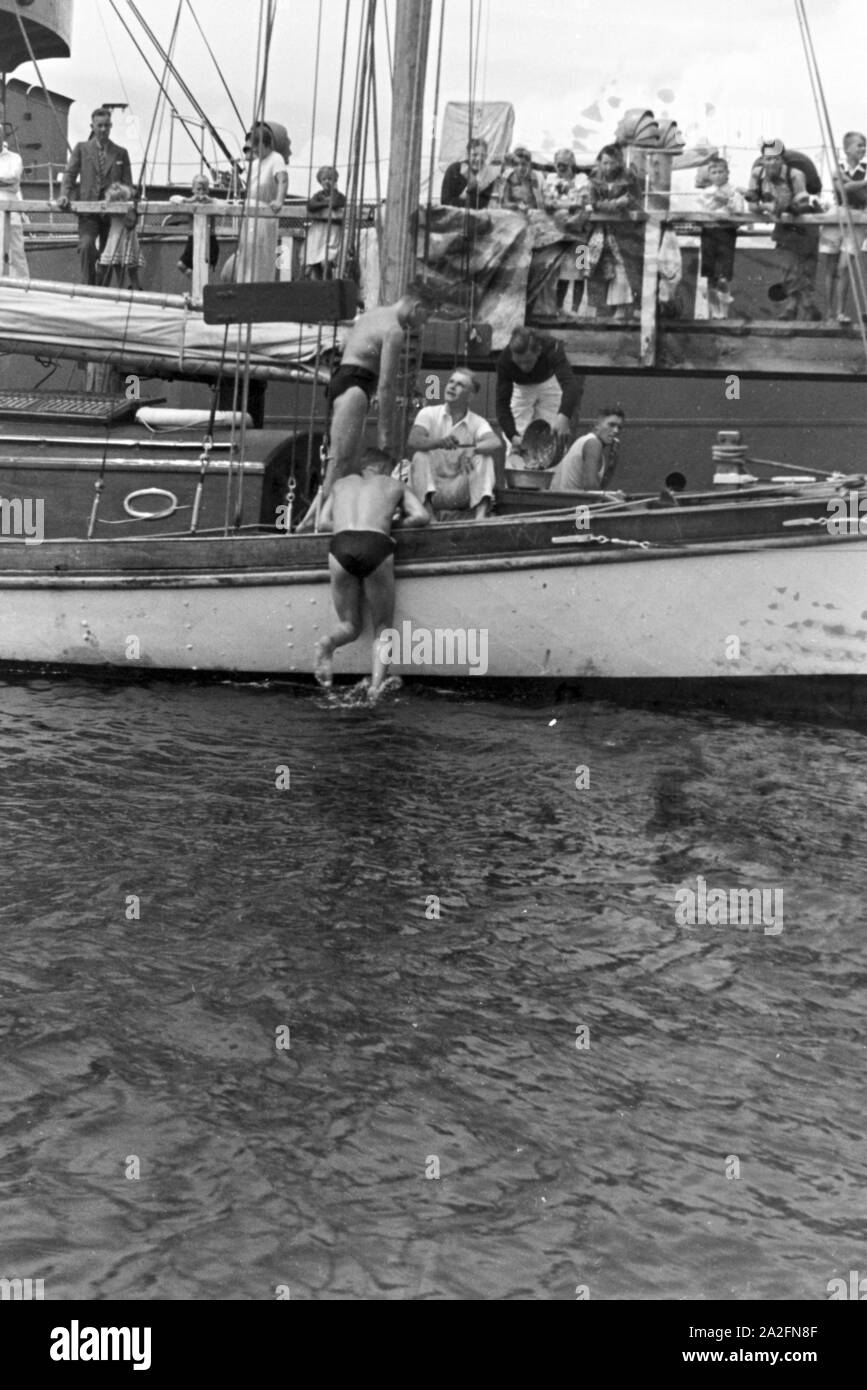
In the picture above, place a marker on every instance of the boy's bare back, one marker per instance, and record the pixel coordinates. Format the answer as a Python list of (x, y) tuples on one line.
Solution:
[(365, 503)]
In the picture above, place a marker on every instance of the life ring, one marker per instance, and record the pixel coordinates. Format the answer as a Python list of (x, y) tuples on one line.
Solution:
[(140, 515)]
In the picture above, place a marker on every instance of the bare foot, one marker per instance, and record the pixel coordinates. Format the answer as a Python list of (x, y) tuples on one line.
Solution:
[(388, 686), (322, 663)]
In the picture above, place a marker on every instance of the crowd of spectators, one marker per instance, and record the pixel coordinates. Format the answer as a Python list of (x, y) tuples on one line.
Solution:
[(599, 262), (590, 266)]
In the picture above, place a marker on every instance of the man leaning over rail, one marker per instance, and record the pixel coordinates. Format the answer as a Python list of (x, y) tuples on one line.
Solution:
[(779, 188)]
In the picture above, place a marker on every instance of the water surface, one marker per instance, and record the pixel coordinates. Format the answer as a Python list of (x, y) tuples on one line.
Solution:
[(419, 1043)]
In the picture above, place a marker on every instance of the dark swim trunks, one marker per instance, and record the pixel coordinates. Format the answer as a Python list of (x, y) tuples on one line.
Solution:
[(352, 375), (361, 552)]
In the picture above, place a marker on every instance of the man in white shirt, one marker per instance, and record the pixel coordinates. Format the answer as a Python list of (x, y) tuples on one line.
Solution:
[(589, 464), (452, 470)]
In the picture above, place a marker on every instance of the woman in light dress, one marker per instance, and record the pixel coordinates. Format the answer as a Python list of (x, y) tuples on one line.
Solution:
[(256, 256)]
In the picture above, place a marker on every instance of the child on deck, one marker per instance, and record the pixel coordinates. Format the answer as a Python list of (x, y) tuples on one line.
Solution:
[(200, 190), (122, 252), (566, 197), (323, 235), (615, 250), (837, 247), (521, 189), (722, 200)]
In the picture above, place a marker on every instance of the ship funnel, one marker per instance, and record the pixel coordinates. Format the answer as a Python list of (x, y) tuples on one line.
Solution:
[(47, 23)]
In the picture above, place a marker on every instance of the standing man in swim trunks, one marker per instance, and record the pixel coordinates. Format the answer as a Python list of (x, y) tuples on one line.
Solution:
[(371, 360), (360, 512)]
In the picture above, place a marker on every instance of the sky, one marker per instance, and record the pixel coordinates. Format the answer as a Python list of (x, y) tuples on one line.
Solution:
[(731, 72)]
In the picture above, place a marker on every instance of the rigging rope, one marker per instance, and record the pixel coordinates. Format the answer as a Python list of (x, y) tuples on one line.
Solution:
[(107, 35), (487, 48), (408, 218), (226, 87), (433, 136), (197, 107), (478, 45), (99, 484), (358, 137), (162, 94), (154, 75), (388, 47), (377, 172), (32, 57), (469, 237), (341, 83), (315, 101), (263, 48), (318, 353)]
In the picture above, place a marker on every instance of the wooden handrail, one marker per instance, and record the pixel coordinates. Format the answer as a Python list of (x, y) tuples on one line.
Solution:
[(145, 208), (225, 208)]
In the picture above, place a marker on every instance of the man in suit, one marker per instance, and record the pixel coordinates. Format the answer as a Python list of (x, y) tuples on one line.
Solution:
[(94, 164)]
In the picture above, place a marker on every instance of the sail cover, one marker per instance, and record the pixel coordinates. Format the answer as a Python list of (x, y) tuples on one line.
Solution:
[(158, 335)]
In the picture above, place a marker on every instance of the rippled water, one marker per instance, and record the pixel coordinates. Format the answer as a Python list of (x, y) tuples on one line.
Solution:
[(413, 1039)]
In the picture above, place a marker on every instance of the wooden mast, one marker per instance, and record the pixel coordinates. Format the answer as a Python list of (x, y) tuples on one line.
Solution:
[(412, 32)]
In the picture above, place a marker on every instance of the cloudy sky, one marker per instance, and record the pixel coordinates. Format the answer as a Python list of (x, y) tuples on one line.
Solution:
[(731, 71)]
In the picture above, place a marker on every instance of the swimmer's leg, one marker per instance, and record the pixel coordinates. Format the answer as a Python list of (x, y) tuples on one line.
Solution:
[(346, 596), (347, 436), (379, 592)]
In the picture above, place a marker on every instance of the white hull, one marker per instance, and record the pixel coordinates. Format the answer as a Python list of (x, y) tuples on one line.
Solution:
[(753, 609)]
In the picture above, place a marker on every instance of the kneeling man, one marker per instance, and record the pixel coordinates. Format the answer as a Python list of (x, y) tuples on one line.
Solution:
[(453, 452), (360, 511)]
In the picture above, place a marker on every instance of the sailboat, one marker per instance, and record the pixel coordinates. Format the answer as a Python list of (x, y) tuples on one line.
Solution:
[(644, 593)]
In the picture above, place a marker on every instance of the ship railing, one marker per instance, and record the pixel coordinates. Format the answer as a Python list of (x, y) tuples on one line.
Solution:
[(747, 224), (200, 217), (195, 216), (45, 217), (686, 223), (648, 228)]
